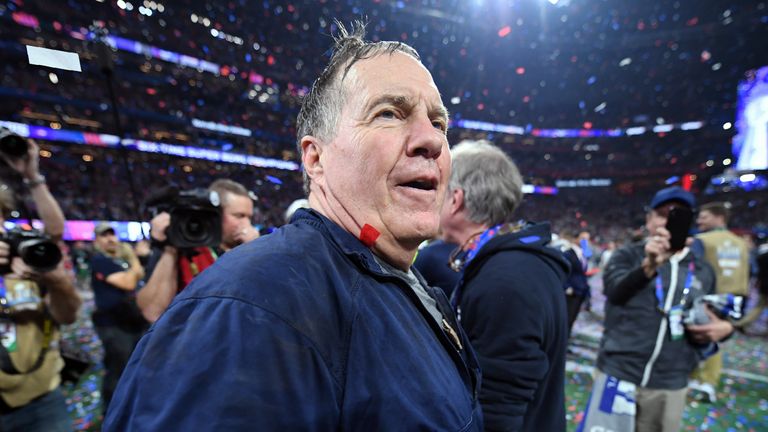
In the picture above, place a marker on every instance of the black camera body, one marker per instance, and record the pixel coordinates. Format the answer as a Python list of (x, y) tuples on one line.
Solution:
[(12, 145), (36, 249), (195, 217)]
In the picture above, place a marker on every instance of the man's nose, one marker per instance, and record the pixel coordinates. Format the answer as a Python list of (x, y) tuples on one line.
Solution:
[(426, 140)]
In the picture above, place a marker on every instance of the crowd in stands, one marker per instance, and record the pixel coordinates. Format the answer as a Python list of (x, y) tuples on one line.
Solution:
[(99, 190), (590, 64), (580, 66)]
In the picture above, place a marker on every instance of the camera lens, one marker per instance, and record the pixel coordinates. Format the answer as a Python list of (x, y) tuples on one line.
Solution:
[(13, 145), (41, 255), (195, 229)]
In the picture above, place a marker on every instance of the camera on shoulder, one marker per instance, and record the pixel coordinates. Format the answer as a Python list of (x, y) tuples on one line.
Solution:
[(195, 216), (36, 249)]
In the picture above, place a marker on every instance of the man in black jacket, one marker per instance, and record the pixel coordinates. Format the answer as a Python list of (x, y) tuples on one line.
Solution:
[(510, 300), (648, 287)]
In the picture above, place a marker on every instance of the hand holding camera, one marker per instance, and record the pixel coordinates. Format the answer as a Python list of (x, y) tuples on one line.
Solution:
[(23, 155), (187, 219), (657, 251), (158, 225), (41, 263), (36, 250)]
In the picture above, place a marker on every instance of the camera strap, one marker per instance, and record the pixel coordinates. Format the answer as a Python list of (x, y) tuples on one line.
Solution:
[(7, 366)]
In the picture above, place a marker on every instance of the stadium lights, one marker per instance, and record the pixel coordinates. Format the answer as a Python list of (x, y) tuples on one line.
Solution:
[(727, 161), (692, 125), (727, 125), (124, 5), (662, 128)]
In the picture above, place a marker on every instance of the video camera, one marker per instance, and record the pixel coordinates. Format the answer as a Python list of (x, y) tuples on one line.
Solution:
[(12, 145), (195, 216), (36, 249)]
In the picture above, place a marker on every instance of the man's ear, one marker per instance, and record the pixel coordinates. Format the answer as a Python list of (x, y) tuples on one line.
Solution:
[(311, 150), (456, 200)]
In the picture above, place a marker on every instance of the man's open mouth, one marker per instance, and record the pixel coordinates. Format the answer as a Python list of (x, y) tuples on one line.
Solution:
[(425, 184)]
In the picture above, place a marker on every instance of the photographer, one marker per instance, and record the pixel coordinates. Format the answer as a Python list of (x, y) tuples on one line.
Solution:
[(170, 269), (35, 301), (649, 346)]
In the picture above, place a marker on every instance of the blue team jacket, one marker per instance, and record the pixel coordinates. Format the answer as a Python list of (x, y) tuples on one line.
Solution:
[(299, 330)]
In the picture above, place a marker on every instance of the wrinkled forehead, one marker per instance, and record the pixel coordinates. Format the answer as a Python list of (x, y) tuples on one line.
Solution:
[(390, 73)]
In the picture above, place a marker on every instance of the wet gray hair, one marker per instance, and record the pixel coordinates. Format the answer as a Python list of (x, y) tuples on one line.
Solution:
[(321, 108), (492, 185)]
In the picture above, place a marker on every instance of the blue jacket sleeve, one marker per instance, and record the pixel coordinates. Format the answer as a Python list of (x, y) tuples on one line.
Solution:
[(215, 364), (504, 317)]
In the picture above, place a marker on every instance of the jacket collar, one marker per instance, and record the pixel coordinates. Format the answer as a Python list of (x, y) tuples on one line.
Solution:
[(534, 238), (349, 245)]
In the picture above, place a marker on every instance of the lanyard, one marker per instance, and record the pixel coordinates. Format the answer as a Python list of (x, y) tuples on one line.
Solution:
[(686, 288)]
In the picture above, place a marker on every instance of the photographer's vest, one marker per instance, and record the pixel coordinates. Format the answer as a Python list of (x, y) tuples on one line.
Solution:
[(728, 256), (30, 362)]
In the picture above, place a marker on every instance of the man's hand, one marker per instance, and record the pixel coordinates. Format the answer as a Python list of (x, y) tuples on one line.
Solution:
[(159, 225), (248, 233), (716, 330), (142, 248), (29, 165), (656, 252), (55, 277), (62, 300)]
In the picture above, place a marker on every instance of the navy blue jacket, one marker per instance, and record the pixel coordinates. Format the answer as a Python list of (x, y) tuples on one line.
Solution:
[(298, 330), (577, 278), (432, 262), (512, 307)]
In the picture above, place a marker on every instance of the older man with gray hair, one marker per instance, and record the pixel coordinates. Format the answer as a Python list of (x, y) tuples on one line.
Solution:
[(322, 325), (510, 301)]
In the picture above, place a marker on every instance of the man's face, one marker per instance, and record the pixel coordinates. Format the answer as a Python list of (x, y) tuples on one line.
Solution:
[(236, 215), (707, 221), (108, 242), (388, 164)]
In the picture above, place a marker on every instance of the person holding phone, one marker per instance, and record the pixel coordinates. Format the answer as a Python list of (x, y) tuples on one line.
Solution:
[(648, 351)]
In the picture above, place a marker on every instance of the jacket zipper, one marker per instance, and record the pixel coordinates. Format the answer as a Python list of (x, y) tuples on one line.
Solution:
[(445, 333)]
